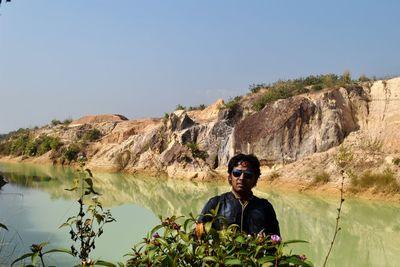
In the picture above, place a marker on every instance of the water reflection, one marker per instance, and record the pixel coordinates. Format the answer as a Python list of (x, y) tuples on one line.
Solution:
[(370, 234)]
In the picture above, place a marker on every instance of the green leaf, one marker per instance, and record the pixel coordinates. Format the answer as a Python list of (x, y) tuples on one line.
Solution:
[(3, 226), (214, 212), (258, 250), (210, 258), (89, 181), (61, 250), (295, 260), (240, 239), (63, 225), (184, 236), (99, 218), (229, 262), (21, 258), (295, 241), (207, 227), (104, 263), (155, 229), (162, 241), (71, 189), (89, 172), (266, 259), (34, 257), (187, 221)]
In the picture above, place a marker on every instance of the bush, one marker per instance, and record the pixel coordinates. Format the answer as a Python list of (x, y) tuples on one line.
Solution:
[(19, 143), (165, 118), (321, 178), (384, 182), (5, 148), (317, 87), (271, 96), (31, 148), (274, 175), (396, 161), (346, 77), (196, 244), (374, 145), (233, 102), (196, 152), (47, 143), (286, 88), (254, 88), (55, 122), (363, 78), (72, 151), (67, 121), (180, 107), (92, 135), (199, 107)]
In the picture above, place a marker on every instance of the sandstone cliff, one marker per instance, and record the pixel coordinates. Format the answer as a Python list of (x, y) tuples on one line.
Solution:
[(294, 138)]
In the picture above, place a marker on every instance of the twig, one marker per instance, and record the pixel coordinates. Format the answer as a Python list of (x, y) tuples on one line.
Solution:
[(339, 210)]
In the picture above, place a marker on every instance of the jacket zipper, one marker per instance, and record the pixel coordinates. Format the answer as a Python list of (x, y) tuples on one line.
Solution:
[(241, 218)]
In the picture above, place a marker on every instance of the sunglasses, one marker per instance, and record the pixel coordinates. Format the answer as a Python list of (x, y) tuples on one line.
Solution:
[(246, 174)]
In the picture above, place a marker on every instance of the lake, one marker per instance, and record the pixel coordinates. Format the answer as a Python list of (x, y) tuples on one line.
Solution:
[(35, 203)]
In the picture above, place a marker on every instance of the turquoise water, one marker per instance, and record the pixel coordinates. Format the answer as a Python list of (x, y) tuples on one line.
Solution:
[(34, 204)]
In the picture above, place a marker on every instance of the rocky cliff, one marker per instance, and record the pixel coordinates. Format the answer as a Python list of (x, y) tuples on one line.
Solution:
[(294, 138)]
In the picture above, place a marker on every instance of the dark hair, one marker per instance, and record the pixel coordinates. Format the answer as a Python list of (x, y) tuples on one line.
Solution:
[(251, 159)]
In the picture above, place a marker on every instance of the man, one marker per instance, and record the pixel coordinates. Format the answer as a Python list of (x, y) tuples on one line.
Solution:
[(240, 206)]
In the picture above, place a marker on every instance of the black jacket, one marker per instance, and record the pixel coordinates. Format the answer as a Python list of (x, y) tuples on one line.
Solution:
[(257, 215)]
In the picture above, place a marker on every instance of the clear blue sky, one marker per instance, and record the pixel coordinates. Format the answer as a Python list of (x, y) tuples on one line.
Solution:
[(65, 59)]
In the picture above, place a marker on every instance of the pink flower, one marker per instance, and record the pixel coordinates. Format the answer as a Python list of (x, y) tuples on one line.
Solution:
[(276, 239), (156, 235), (302, 257)]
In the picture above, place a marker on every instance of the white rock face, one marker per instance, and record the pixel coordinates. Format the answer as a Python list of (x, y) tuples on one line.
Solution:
[(383, 119)]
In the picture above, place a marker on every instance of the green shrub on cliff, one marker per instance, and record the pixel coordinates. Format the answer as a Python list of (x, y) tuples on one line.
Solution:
[(47, 143), (19, 144), (71, 152), (55, 122), (92, 135), (383, 182), (286, 88), (196, 152), (321, 178), (180, 107), (233, 102), (199, 107)]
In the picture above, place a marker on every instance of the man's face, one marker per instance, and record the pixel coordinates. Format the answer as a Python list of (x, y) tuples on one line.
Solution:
[(242, 178)]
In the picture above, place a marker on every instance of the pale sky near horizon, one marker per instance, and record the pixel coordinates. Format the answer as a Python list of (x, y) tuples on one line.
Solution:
[(66, 59)]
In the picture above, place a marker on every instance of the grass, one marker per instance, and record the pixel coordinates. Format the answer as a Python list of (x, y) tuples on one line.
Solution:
[(370, 144), (396, 161), (383, 182), (233, 102), (196, 152), (274, 175), (321, 178)]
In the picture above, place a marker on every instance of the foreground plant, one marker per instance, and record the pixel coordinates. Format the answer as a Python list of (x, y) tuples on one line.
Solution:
[(196, 244), (88, 224), (343, 160), (85, 227), (37, 254)]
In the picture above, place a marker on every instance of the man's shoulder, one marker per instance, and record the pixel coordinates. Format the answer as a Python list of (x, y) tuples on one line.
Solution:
[(262, 201), (226, 195)]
